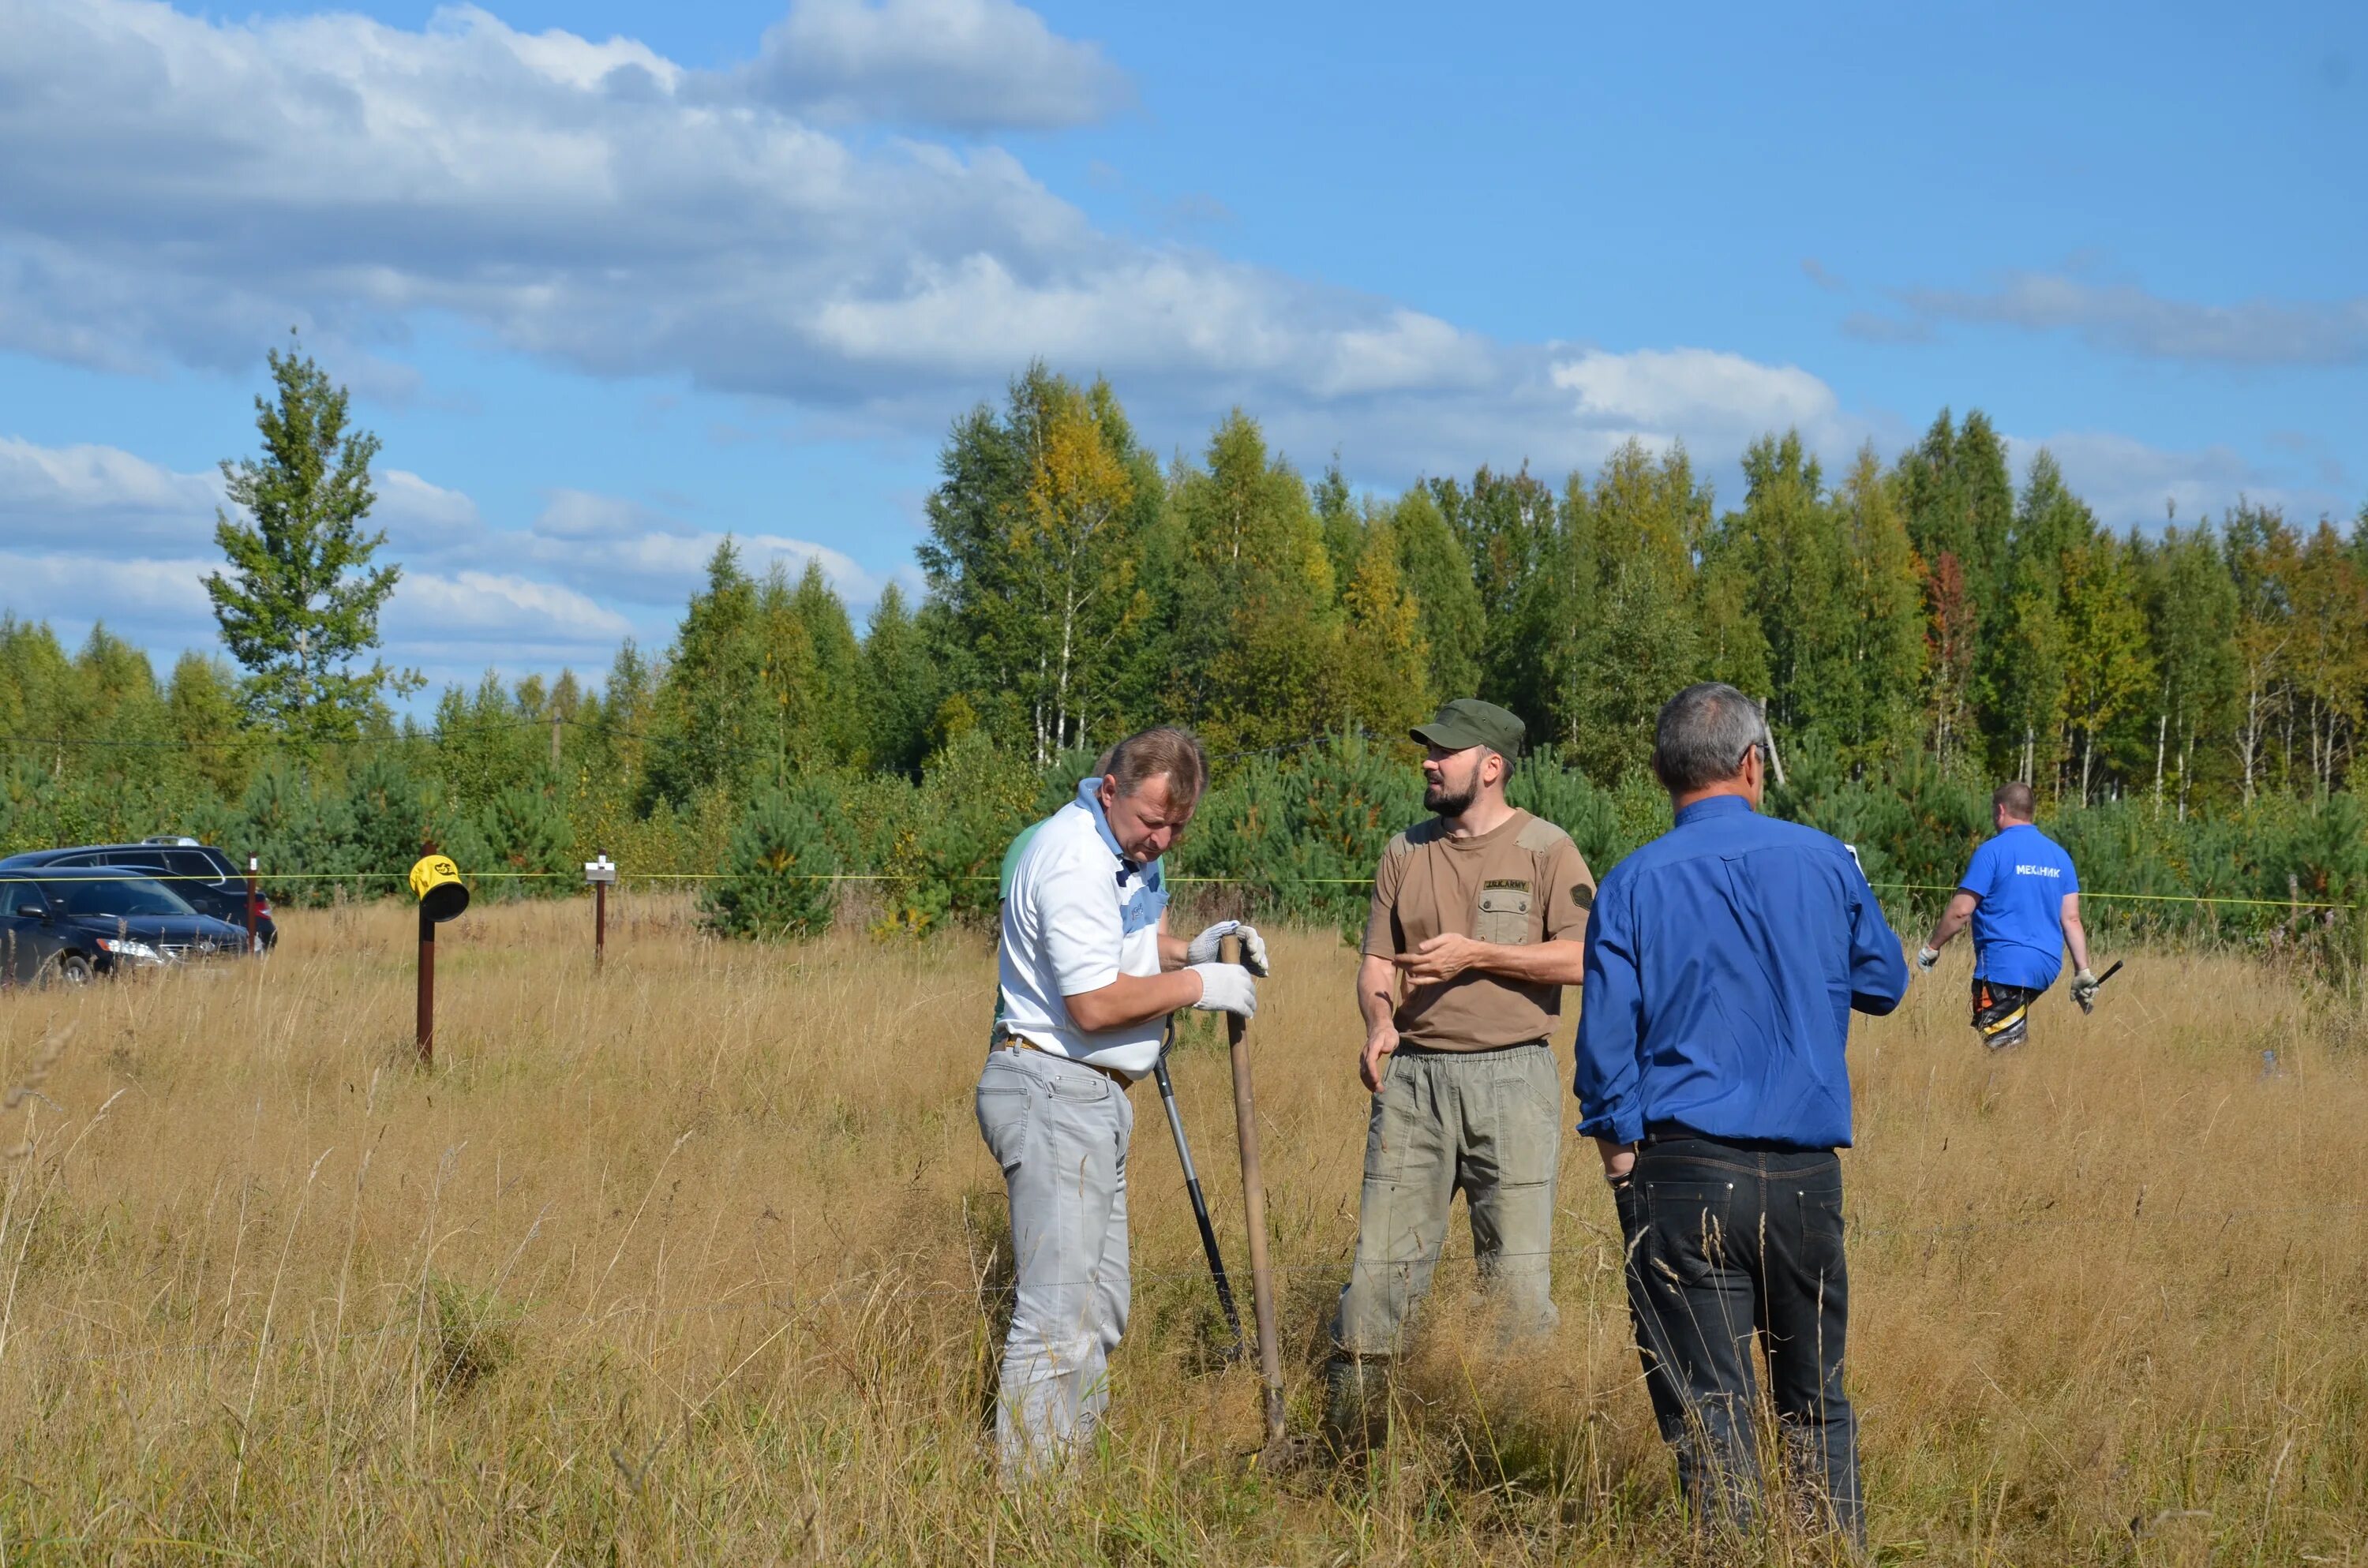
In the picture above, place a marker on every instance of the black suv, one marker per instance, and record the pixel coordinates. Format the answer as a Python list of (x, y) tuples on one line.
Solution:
[(73, 924), (198, 873)]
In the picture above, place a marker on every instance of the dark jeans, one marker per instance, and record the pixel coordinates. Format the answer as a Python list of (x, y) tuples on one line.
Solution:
[(1726, 1242)]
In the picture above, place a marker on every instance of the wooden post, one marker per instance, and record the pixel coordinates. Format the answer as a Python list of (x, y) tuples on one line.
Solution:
[(1254, 1202), (599, 872), (251, 867), (426, 1033)]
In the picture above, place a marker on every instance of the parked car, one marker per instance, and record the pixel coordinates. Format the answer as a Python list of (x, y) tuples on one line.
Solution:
[(72, 924), (208, 878)]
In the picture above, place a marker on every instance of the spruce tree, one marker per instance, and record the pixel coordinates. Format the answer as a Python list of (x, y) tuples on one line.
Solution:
[(302, 598)]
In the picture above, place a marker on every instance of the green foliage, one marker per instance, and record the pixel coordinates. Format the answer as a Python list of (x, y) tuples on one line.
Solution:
[(2188, 704), (781, 868), (302, 598)]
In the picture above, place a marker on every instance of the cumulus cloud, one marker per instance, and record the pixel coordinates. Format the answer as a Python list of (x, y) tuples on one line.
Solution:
[(967, 64), (2126, 319), (181, 188), (1656, 390), (88, 494)]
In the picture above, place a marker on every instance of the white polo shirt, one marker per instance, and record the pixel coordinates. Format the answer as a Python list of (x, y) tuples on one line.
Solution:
[(1075, 918)]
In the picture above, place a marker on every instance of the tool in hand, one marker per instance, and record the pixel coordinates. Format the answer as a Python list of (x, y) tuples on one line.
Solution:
[(2089, 1002), (1200, 1203), (1254, 1202)]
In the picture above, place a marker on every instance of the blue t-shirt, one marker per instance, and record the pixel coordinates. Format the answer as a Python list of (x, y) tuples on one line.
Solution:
[(2020, 877)]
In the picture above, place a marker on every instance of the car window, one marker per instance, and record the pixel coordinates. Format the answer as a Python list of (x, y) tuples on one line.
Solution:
[(192, 863), (118, 895), (13, 894)]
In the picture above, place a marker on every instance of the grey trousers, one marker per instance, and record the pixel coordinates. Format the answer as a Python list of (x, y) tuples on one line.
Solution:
[(1060, 1130), (1488, 1124)]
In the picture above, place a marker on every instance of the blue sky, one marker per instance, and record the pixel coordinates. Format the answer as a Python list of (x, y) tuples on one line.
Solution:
[(612, 281)]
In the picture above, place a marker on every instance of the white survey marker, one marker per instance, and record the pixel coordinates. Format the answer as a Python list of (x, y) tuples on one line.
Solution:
[(601, 871)]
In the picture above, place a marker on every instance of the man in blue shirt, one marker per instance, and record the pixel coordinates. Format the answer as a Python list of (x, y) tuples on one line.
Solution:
[(1722, 963), (2023, 898)]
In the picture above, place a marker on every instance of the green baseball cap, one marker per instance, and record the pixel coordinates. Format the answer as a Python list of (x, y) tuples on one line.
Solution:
[(1468, 721)]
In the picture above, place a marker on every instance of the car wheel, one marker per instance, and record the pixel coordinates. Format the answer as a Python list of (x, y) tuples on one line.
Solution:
[(74, 970)]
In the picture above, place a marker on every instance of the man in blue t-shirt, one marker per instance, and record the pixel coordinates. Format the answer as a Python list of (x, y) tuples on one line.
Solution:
[(2023, 898)]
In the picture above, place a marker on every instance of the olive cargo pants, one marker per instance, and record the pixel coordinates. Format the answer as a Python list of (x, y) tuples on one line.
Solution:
[(1487, 1124)]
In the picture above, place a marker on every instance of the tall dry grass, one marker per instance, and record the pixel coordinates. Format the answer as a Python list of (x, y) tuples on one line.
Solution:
[(694, 1261)]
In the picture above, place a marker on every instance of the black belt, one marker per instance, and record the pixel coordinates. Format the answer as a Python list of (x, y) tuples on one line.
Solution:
[(1678, 1132), (1408, 1049)]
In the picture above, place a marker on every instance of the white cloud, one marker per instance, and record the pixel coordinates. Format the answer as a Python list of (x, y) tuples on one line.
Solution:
[(92, 533), (1661, 391), (581, 515), (417, 515), (969, 64), (496, 608), (2124, 318), (102, 495)]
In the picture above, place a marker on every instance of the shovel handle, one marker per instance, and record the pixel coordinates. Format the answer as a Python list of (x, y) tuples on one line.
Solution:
[(1254, 1203)]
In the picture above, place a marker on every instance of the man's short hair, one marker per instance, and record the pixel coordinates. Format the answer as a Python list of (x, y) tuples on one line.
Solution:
[(2016, 801), (1164, 752), (1702, 736)]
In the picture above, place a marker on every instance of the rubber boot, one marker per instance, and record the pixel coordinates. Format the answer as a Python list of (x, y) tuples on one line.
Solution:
[(1356, 1404)]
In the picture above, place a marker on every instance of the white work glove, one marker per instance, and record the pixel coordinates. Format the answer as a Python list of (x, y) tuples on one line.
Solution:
[(1226, 988), (2084, 991), (1926, 958), (1203, 949)]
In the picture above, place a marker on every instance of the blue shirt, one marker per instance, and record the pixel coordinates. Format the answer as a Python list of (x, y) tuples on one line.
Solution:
[(2021, 876), (1723, 961)]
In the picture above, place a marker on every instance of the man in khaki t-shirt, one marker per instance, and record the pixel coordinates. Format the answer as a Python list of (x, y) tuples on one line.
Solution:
[(1479, 920)]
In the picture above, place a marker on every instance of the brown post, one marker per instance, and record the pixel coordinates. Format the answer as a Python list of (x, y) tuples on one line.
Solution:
[(250, 905), (599, 926), (426, 1036), (1254, 1202)]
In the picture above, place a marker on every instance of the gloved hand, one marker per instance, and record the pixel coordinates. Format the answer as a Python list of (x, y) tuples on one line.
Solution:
[(1203, 948), (1226, 988), (2084, 991), (1926, 958)]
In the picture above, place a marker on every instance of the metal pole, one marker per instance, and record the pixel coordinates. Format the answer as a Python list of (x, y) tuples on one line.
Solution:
[(1200, 1203), (1254, 1202), (426, 1037), (250, 904), (599, 924)]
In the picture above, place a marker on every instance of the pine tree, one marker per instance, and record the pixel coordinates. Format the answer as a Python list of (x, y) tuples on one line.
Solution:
[(1883, 591), (1255, 634), (201, 713), (1630, 546), (1452, 624), (1383, 681), (2108, 668), (837, 727), (781, 868), (301, 599), (710, 731), (900, 689)]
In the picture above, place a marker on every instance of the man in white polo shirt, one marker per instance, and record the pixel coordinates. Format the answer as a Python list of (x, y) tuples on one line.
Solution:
[(1089, 974)]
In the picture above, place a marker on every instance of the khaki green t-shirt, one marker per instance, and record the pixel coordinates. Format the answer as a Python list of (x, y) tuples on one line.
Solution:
[(1524, 881)]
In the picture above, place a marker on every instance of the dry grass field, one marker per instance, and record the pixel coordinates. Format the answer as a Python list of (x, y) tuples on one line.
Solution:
[(694, 1262)]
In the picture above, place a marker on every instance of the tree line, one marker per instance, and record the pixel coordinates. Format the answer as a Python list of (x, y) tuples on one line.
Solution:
[(1919, 628)]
